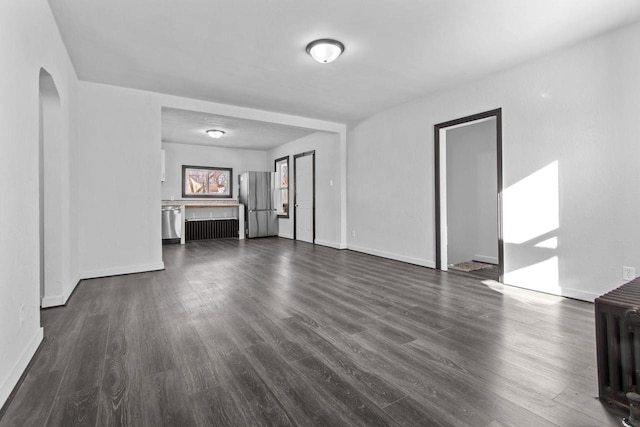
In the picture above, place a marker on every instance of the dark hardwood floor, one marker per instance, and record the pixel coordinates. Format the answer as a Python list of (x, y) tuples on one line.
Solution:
[(274, 332)]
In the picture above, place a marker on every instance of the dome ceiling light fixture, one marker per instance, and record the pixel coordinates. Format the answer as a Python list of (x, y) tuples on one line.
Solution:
[(215, 133), (325, 50)]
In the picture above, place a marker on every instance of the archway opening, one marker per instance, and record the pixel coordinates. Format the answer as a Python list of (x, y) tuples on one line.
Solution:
[(50, 190)]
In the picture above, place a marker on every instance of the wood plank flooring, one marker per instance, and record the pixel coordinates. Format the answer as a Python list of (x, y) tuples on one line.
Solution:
[(276, 332)]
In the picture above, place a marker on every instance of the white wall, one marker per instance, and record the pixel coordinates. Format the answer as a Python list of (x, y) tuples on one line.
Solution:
[(472, 197), (197, 155), (119, 189), (29, 41), (119, 132), (328, 202), (570, 124)]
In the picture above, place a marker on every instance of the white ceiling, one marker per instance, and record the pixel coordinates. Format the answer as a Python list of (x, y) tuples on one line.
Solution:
[(252, 52), (188, 127)]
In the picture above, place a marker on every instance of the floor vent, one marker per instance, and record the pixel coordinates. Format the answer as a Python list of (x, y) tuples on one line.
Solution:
[(618, 343), (210, 229)]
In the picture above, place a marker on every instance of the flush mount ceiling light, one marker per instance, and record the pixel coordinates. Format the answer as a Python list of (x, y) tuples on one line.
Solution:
[(215, 133), (325, 50)]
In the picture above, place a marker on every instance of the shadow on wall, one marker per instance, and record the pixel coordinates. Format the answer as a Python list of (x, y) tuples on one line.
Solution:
[(531, 223)]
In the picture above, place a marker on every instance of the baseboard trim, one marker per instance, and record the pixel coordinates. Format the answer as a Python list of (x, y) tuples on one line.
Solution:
[(286, 236), (487, 259), (396, 257), (328, 244), (561, 292), (60, 300), (52, 301), (116, 271), (20, 366), (70, 292), (578, 294)]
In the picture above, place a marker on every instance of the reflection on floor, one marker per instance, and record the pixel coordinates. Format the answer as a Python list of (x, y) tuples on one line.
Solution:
[(478, 269)]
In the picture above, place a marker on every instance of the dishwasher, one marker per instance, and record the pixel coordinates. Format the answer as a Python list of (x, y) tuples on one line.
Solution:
[(171, 224)]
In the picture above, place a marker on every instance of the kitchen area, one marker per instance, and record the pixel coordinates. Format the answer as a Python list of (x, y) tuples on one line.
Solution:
[(204, 158), (187, 220), (201, 219)]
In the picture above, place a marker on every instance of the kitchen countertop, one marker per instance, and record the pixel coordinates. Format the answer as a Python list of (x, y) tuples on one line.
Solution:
[(202, 203), (225, 203)]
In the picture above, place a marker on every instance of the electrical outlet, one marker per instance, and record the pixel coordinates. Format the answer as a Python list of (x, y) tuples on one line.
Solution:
[(628, 273), (21, 315), (353, 233)]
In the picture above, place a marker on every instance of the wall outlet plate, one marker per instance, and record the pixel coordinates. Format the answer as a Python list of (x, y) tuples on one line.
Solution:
[(628, 273)]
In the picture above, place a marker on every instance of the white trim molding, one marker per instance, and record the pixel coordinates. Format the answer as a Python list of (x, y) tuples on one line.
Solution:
[(116, 271), (21, 365), (59, 300), (328, 244), (575, 294), (396, 257), (52, 301)]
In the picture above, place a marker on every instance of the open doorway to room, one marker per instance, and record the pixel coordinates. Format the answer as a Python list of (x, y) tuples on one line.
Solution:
[(312, 150), (50, 183), (468, 168), (304, 182)]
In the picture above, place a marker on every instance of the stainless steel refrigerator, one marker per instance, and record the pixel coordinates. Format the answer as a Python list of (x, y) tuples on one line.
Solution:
[(257, 194)]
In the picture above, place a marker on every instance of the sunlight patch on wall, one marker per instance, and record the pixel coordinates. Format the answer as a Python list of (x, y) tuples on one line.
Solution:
[(531, 206), (551, 243), (542, 276)]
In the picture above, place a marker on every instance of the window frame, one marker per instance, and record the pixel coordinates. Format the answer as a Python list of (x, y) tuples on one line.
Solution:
[(284, 160), (207, 195)]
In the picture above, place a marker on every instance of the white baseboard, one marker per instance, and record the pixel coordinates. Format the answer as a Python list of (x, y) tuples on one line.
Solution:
[(58, 300), (403, 258), (115, 271), (317, 242), (18, 369), (561, 292), (487, 259), (52, 301), (327, 243), (74, 284), (578, 294)]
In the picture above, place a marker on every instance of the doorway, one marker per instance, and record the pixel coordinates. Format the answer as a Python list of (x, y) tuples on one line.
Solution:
[(304, 196), (468, 181), (51, 200)]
